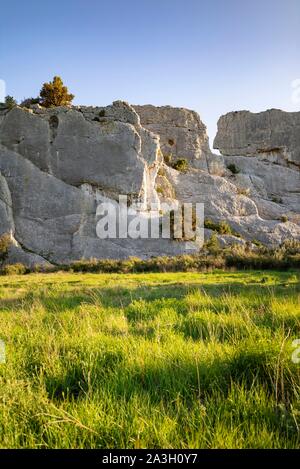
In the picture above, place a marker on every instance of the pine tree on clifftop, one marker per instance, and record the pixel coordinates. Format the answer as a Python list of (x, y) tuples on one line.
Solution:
[(55, 93)]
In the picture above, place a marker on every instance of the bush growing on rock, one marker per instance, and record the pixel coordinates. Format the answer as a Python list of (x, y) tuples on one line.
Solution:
[(160, 190), (233, 168), (181, 165), (161, 172), (9, 102), (225, 228), (30, 101), (14, 269), (277, 200), (168, 159), (290, 247), (256, 243), (222, 228), (4, 245), (55, 93), (212, 244)]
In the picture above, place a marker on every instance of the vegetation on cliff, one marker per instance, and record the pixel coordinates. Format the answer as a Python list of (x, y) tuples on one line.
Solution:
[(55, 93)]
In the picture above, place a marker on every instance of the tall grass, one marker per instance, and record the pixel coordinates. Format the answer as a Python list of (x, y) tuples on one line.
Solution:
[(150, 360)]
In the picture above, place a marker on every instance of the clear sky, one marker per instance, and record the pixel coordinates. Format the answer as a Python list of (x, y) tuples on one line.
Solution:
[(213, 56)]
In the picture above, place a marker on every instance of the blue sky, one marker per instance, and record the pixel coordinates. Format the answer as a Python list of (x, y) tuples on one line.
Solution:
[(213, 56)]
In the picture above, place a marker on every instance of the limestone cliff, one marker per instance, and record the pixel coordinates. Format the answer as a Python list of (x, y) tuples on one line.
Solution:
[(273, 135), (57, 164), (182, 135), (263, 150)]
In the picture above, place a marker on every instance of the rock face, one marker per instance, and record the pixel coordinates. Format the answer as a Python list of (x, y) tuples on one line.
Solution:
[(273, 135), (263, 152), (78, 146), (181, 131), (57, 165)]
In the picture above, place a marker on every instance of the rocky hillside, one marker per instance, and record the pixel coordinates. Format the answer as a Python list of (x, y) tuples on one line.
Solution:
[(58, 164)]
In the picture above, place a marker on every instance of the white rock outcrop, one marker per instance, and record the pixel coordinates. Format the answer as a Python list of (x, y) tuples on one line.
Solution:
[(182, 135), (57, 164), (262, 156), (273, 134)]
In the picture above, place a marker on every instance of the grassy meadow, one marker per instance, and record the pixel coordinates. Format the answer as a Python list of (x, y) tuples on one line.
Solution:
[(161, 360)]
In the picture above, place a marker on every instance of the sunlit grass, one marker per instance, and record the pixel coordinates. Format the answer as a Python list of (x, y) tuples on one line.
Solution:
[(175, 360)]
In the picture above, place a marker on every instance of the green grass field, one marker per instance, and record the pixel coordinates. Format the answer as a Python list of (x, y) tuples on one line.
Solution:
[(177, 360)]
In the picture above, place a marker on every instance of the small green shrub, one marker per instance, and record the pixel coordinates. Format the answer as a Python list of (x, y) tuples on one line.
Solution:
[(181, 165), (168, 159), (225, 228), (14, 269), (222, 227), (210, 225), (233, 168), (4, 245), (289, 247), (10, 102), (256, 242), (284, 218), (29, 102), (213, 244), (161, 172), (277, 200)]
